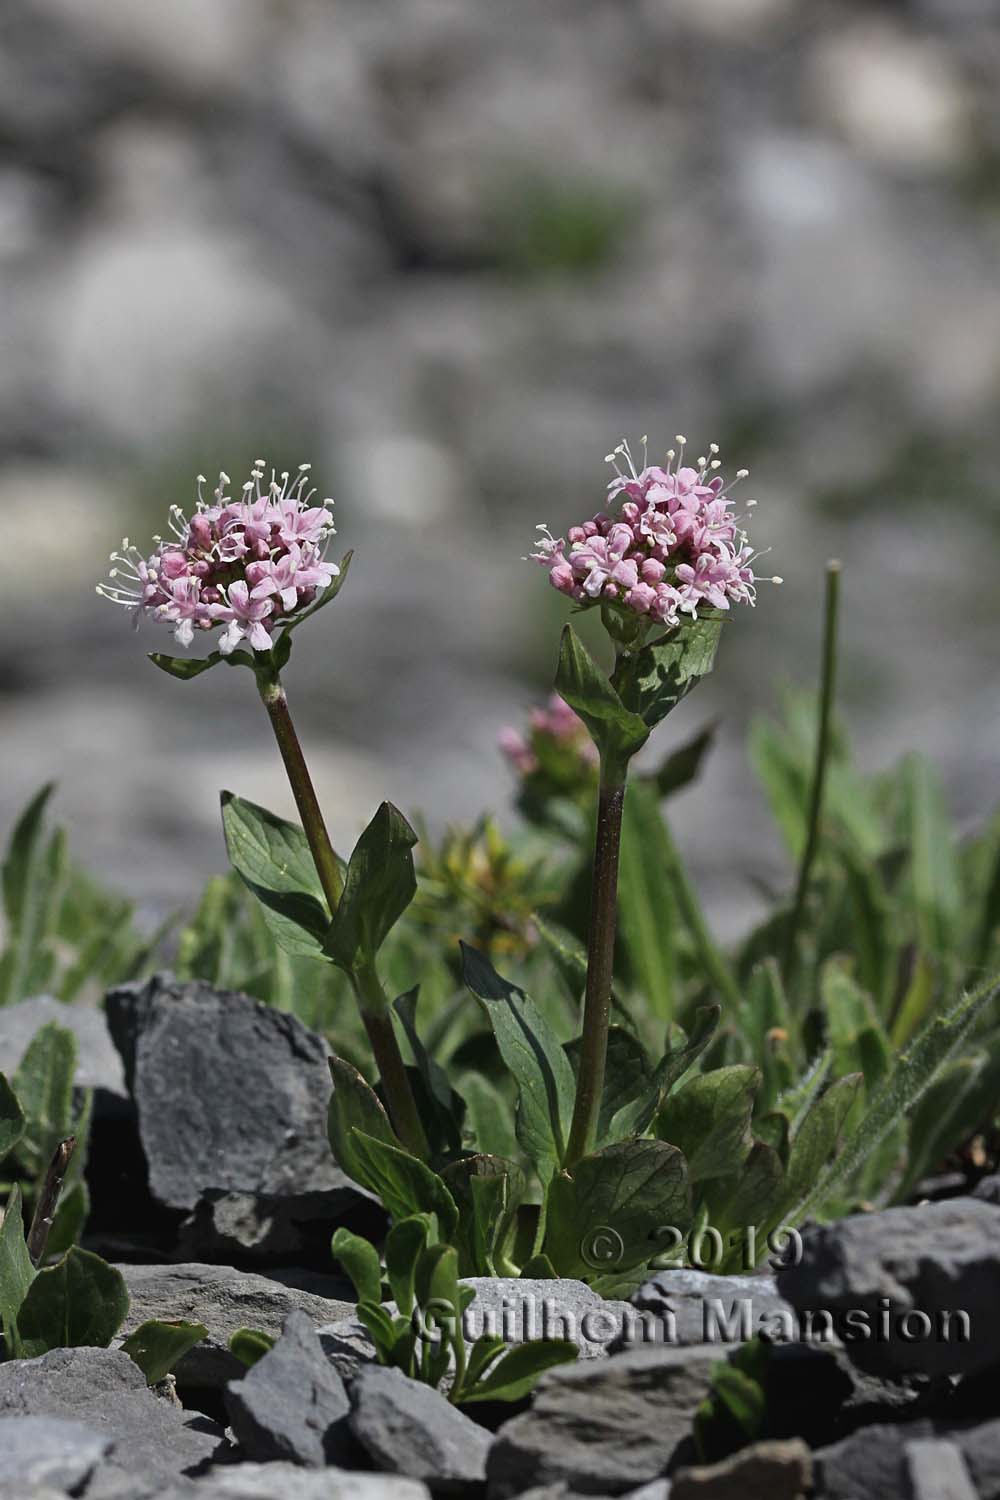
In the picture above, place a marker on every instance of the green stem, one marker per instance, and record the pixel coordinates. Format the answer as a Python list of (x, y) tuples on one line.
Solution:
[(600, 961), (827, 690), (374, 1005), (372, 999)]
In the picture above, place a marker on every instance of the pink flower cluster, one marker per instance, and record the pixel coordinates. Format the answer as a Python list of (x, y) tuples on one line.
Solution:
[(557, 723), (250, 564), (673, 547)]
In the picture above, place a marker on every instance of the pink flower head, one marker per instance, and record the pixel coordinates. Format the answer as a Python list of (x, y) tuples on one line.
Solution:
[(674, 547), (252, 565), (555, 726)]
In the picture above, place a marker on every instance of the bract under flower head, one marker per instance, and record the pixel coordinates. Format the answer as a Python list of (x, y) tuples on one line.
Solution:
[(674, 547), (250, 565)]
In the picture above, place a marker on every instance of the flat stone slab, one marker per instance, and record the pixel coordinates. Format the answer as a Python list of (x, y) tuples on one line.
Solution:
[(223, 1299), (907, 1290)]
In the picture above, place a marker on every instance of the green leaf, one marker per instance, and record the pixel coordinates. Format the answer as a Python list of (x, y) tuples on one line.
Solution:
[(31, 879), (249, 1345), (853, 1028), (627, 1081), (517, 1373), (158, 1347), (44, 1086), (80, 1302), (404, 1184), (488, 1191), (739, 1205), (648, 919), (379, 886), (817, 1138), (682, 765), (937, 892), (185, 667), (11, 1118), (445, 1109), (709, 1120), (482, 1354), (489, 1115), (587, 689), (360, 1260), (354, 1106), (668, 668), (16, 1271), (273, 859), (404, 1244), (619, 1208), (918, 997), (531, 1052), (380, 1325), (912, 1075)]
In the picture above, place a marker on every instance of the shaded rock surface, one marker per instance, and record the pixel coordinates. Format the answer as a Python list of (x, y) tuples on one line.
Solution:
[(936, 1471), (606, 1426), (276, 1227), (927, 1268), (223, 1299), (103, 1390), (292, 1404), (407, 1428), (695, 1307), (49, 1451), (878, 1460)]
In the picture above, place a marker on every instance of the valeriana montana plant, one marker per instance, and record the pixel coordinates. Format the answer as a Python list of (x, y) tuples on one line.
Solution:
[(612, 1158)]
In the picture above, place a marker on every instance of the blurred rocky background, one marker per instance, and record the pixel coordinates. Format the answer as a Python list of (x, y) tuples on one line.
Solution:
[(451, 251)]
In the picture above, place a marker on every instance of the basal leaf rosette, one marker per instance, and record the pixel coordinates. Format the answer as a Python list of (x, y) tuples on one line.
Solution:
[(251, 567)]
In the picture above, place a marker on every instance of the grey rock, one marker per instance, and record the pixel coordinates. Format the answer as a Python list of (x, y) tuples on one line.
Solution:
[(520, 1310), (408, 1428), (98, 1065), (282, 1481), (695, 1307), (937, 1471), (292, 1404), (988, 1189), (276, 1226), (980, 1447), (50, 1451), (657, 1489), (348, 1345), (869, 1462), (776, 1470), (606, 1426), (926, 1269), (231, 1094), (818, 1394), (106, 1392), (223, 1299)]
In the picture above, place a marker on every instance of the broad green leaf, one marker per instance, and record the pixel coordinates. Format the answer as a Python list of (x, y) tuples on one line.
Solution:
[(379, 886), (43, 1084), (381, 1327), (909, 1079), (817, 1137), (488, 1191), (489, 1117), (627, 1077), (360, 1260), (516, 1374), (618, 1209), (442, 1109), (587, 689), (648, 918), (682, 765), (80, 1302), (737, 1205), (185, 667), (11, 1119), (249, 1345), (16, 1271), (482, 1354), (668, 668), (273, 859), (354, 1106), (157, 1347), (634, 1116), (533, 1055), (404, 1244), (709, 1120), (404, 1184)]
